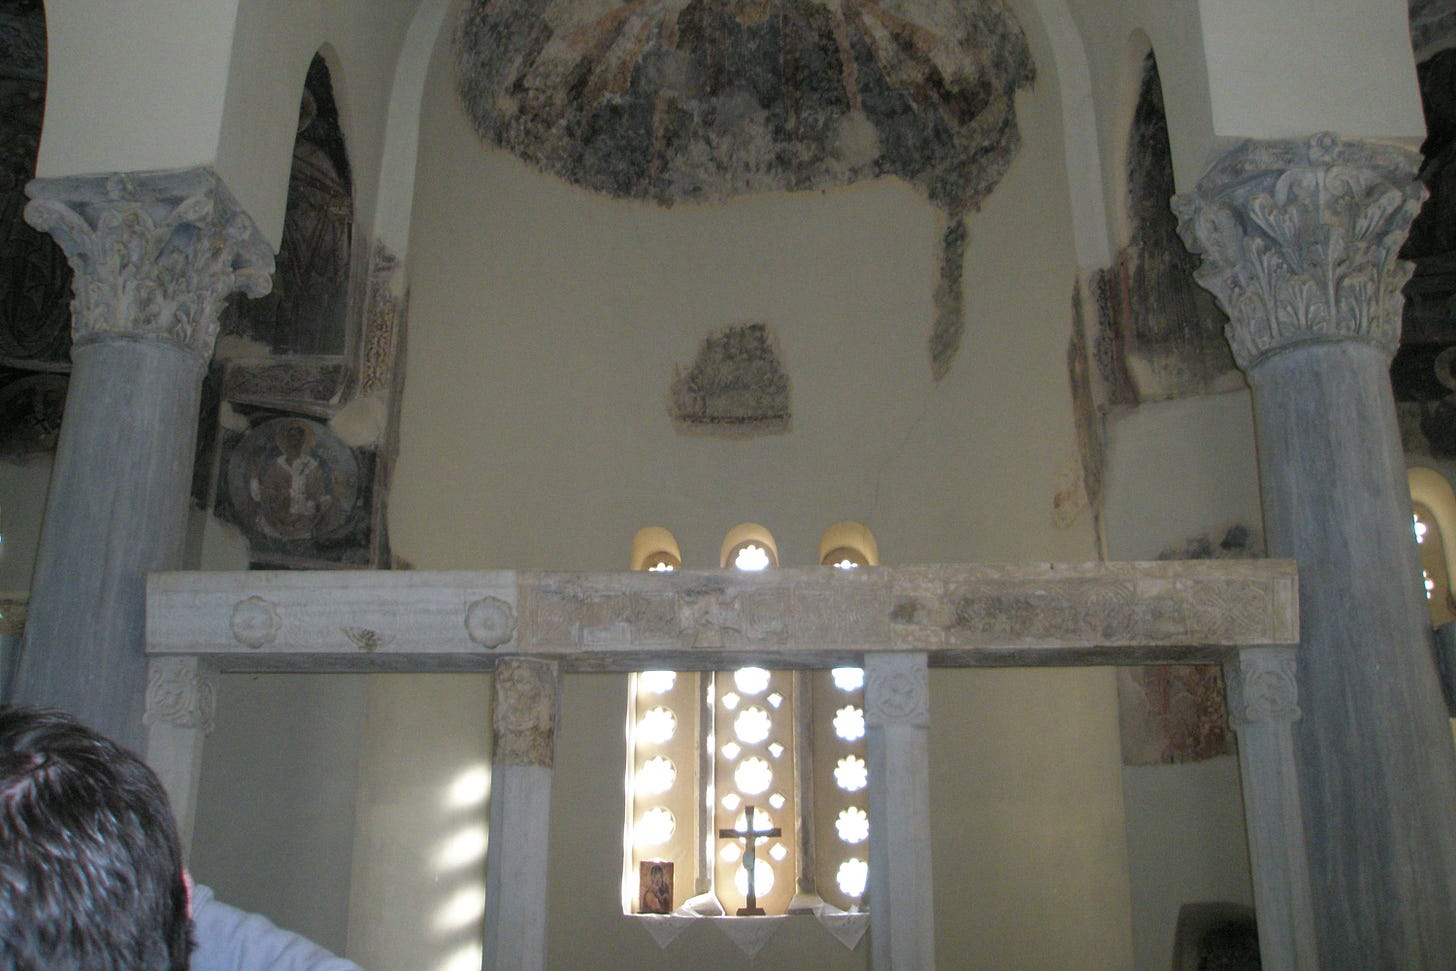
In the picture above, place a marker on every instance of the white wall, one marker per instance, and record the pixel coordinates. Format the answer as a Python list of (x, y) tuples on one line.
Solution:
[(545, 323)]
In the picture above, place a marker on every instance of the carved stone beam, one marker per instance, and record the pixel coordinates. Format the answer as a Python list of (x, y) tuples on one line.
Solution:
[(1263, 702), (524, 718), (897, 725), (181, 704)]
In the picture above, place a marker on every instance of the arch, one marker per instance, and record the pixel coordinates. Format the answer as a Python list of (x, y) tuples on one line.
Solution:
[(747, 534), (653, 545), (850, 540), (402, 127), (307, 309), (1431, 489), (1079, 134)]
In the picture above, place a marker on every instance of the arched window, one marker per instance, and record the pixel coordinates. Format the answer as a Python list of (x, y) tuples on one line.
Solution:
[(1434, 523), (715, 753)]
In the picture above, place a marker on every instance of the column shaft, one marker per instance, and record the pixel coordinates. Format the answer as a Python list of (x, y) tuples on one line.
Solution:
[(1374, 746), (1299, 244), (154, 254), (897, 740), (518, 852), (117, 510)]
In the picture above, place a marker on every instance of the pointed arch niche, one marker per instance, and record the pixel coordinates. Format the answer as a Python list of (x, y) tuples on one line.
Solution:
[(306, 313)]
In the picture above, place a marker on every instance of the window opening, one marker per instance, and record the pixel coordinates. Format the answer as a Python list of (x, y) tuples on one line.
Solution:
[(719, 755)]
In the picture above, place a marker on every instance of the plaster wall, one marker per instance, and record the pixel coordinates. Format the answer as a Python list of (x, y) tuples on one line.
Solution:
[(163, 84), (134, 86), (275, 40), (275, 817), (1176, 469), (545, 326), (1237, 69)]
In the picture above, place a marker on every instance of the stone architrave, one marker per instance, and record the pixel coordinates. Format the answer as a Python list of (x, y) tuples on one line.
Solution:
[(155, 254), (1299, 244), (524, 718), (1263, 707), (897, 726)]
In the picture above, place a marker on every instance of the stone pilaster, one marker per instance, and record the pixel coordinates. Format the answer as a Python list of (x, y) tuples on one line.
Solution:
[(1299, 244), (517, 856), (180, 709), (1263, 700), (155, 254), (897, 741)]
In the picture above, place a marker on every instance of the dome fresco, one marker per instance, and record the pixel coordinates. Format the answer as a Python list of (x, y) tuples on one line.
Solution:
[(702, 100)]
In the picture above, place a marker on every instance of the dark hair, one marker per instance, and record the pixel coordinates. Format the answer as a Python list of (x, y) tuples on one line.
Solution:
[(90, 860)]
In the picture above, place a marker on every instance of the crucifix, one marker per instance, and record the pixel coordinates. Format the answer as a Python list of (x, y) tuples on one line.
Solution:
[(750, 837)]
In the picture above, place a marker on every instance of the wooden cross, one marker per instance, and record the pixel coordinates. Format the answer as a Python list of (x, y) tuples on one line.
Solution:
[(750, 837)]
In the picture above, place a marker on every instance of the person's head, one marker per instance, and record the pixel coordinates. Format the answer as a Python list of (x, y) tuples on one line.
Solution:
[(90, 862)]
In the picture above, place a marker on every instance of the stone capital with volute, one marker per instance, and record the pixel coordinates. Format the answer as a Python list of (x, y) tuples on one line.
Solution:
[(155, 254), (1299, 241)]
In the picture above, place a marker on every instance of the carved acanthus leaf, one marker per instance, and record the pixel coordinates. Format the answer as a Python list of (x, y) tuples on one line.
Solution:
[(155, 254), (180, 693), (525, 712), (1299, 241)]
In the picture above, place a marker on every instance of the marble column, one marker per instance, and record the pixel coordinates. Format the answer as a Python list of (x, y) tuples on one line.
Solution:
[(1299, 243), (518, 852), (155, 254), (897, 740)]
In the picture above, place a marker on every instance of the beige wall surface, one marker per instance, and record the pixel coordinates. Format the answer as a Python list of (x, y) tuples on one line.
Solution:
[(545, 325)]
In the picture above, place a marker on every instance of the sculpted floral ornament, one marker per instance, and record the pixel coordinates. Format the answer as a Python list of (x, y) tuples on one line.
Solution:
[(1299, 241), (1263, 688), (155, 253), (525, 712), (490, 622), (180, 694), (897, 691), (255, 622)]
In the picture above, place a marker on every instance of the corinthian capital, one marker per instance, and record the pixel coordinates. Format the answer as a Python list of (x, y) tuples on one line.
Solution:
[(154, 253), (1299, 241)]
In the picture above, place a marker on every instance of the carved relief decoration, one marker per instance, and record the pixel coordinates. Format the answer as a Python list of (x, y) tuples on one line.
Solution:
[(490, 622), (704, 611), (1265, 689), (181, 693), (283, 381), (155, 254), (255, 622), (525, 712), (897, 691), (383, 318), (1299, 241)]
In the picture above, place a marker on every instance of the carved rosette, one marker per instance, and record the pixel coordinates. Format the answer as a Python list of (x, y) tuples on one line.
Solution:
[(1299, 241), (255, 622), (897, 690), (525, 712), (1262, 687), (181, 693), (155, 254)]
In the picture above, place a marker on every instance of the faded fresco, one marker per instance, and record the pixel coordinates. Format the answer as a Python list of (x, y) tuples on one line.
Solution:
[(35, 280), (1161, 335), (306, 309), (1179, 712), (735, 385), (299, 494), (1423, 374), (702, 100)]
